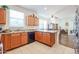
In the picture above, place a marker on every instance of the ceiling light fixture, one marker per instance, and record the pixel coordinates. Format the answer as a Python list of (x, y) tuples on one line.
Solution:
[(45, 8), (52, 16)]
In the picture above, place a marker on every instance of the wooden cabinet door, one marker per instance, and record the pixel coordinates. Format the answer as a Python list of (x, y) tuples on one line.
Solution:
[(52, 38), (6, 41), (46, 38), (24, 38), (38, 36), (18, 38), (2, 16), (15, 40), (30, 21), (36, 20)]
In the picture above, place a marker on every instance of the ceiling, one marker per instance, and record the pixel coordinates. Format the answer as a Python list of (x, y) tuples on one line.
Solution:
[(60, 11)]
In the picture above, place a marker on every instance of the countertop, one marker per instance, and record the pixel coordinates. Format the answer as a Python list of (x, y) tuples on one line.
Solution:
[(14, 32), (9, 32), (50, 31)]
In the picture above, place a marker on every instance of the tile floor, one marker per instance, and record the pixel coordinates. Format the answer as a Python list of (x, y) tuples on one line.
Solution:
[(39, 48)]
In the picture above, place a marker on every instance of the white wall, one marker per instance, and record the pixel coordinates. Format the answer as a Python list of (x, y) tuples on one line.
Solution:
[(70, 21)]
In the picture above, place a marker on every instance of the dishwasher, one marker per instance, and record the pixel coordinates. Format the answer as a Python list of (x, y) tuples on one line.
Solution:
[(31, 36)]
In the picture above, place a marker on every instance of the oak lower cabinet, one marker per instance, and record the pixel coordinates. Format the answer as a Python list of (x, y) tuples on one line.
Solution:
[(24, 38), (49, 38), (6, 41), (38, 36), (15, 40), (53, 38), (45, 37)]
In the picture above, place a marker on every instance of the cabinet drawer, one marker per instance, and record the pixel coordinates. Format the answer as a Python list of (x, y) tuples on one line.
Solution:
[(24, 38), (15, 40), (6, 41), (38, 36), (46, 38)]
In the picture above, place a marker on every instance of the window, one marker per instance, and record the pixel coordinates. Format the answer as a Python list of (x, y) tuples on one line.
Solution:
[(16, 18), (42, 24)]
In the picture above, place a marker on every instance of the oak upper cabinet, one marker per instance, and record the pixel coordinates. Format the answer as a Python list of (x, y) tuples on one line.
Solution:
[(15, 40), (2, 16), (32, 21), (38, 36), (6, 41), (24, 38), (36, 21)]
